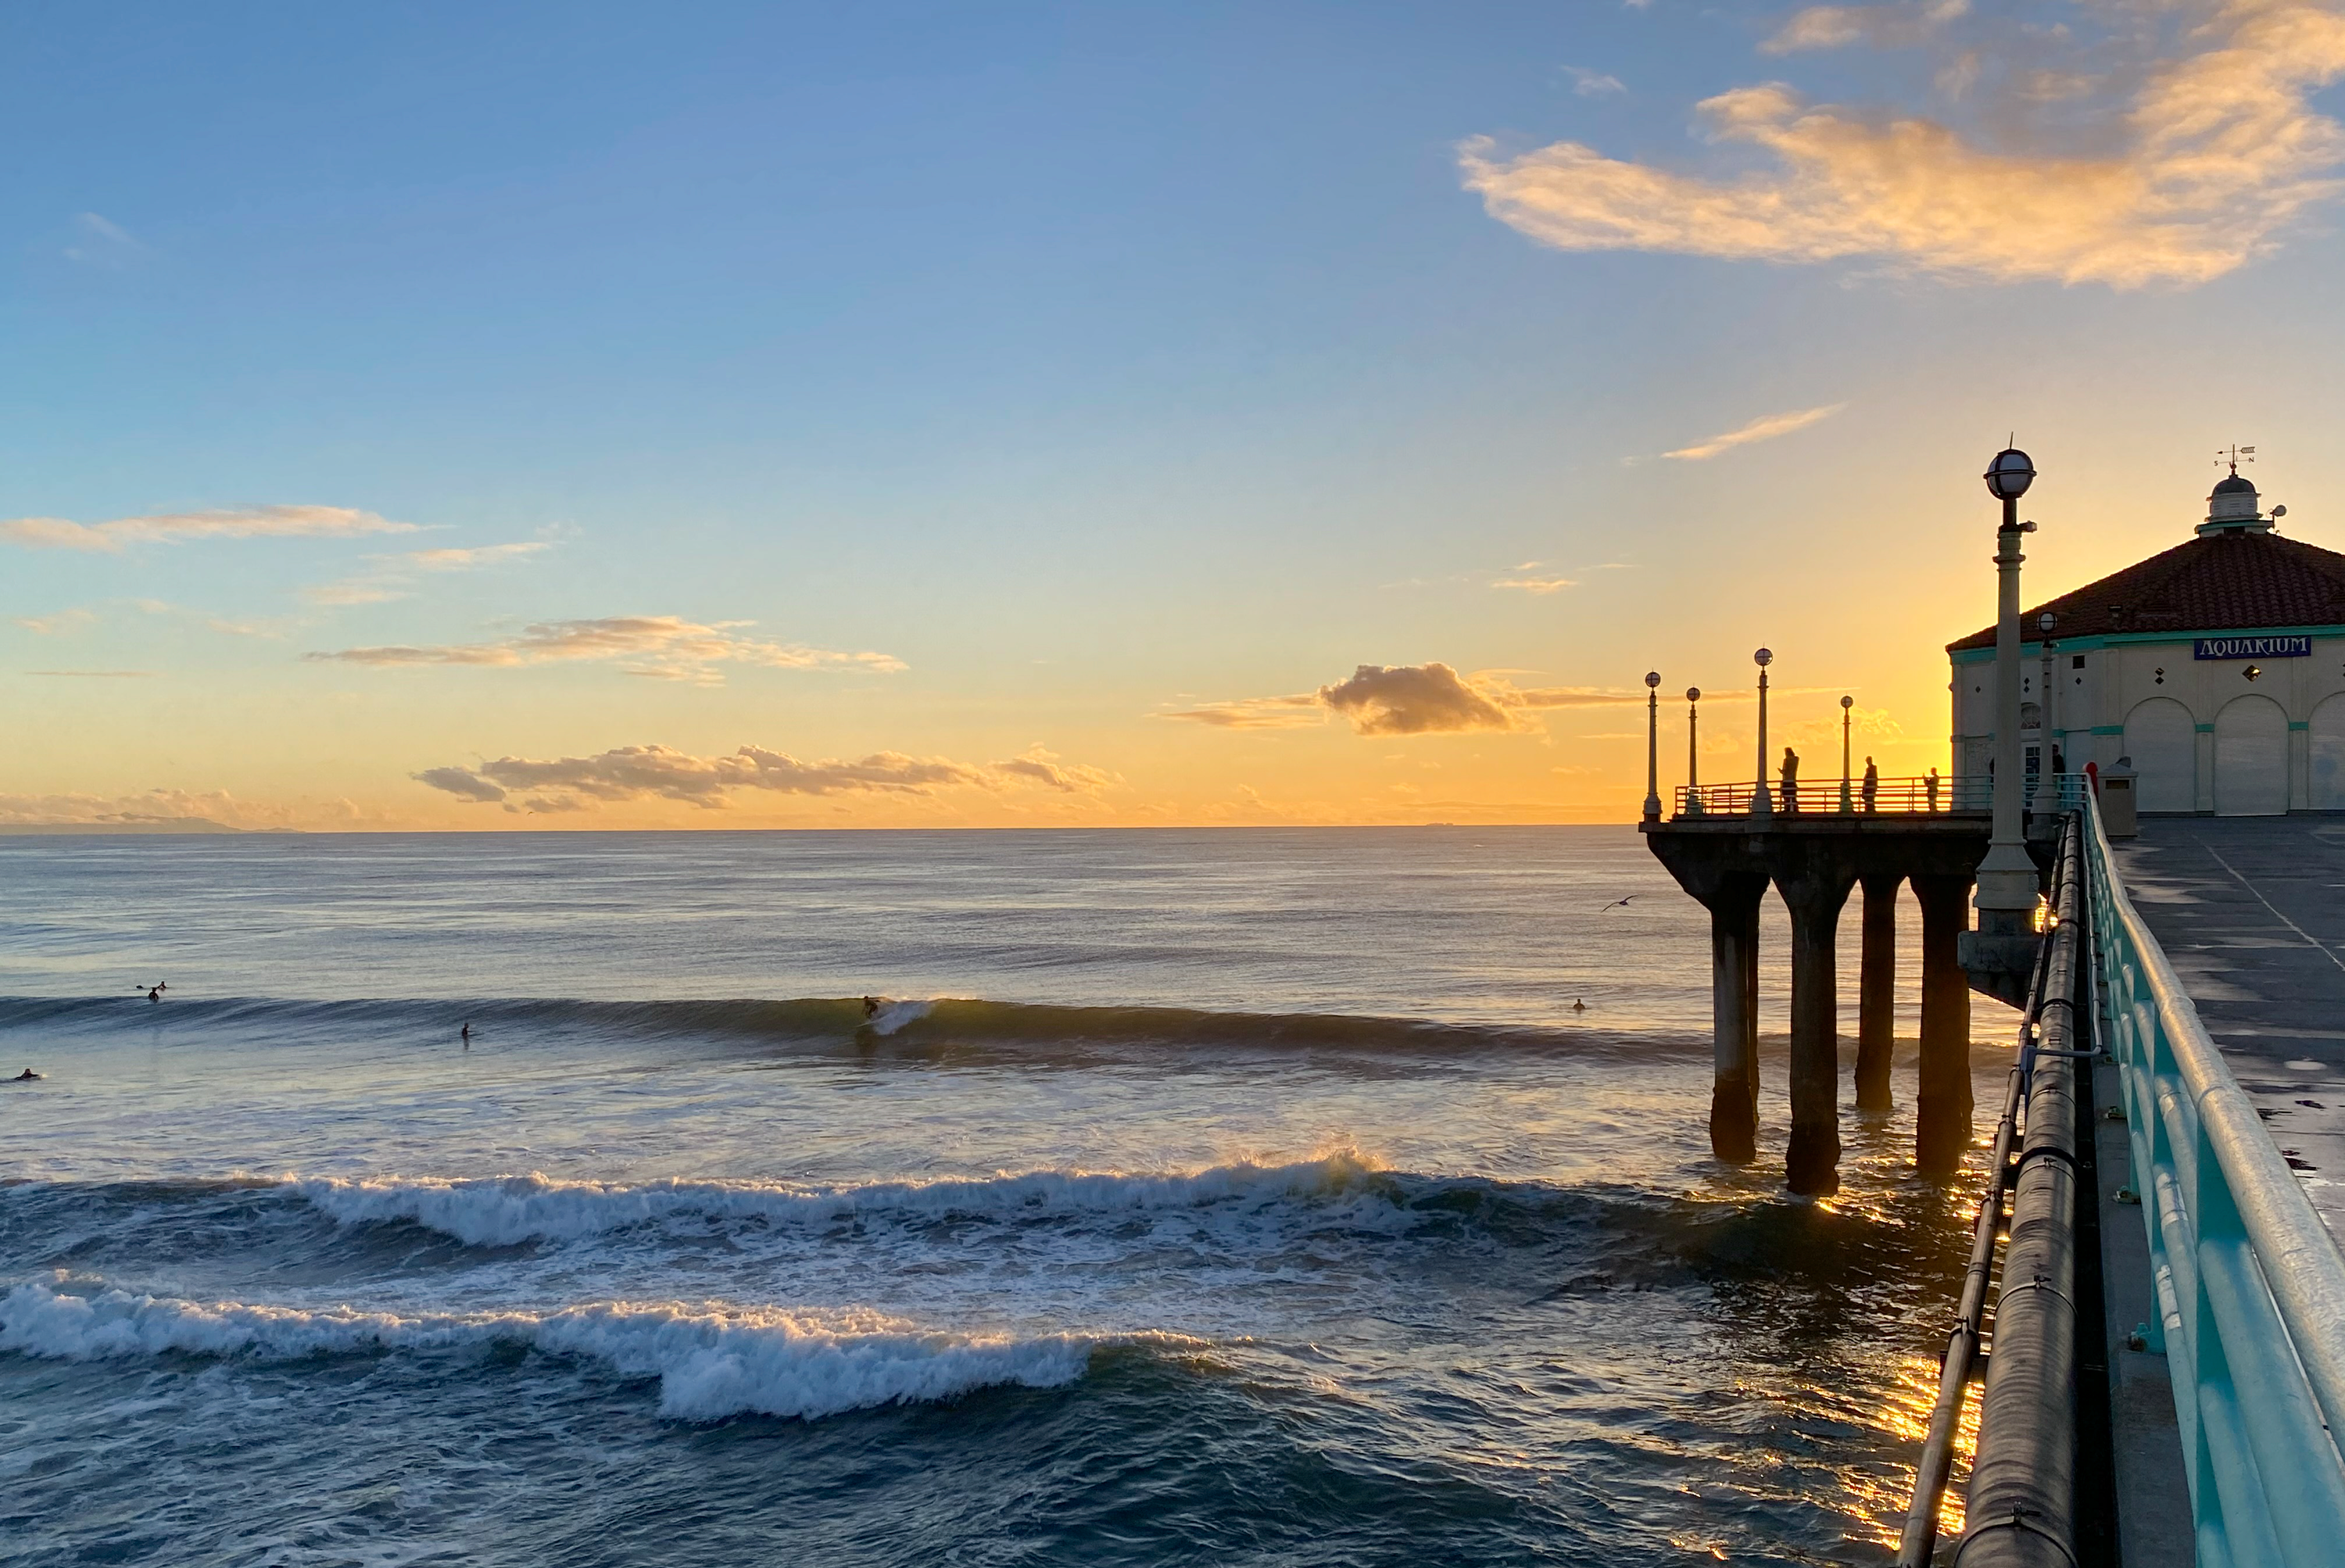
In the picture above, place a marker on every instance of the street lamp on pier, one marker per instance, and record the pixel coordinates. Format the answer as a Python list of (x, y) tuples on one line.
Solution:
[(1760, 806), (1652, 746), (1846, 703), (2006, 877), (1693, 751)]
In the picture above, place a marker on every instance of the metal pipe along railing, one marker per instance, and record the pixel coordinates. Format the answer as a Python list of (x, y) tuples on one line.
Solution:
[(1956, 1368), (2023, 1493)]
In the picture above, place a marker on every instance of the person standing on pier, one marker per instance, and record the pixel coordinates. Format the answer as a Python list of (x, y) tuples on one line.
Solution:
[(1791, 779), (1872, 786), (1931, 784)]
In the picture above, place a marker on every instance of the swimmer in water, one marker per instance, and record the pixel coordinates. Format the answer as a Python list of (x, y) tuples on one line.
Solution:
[(465, 1035), (26, 1076), (1578, 1005)]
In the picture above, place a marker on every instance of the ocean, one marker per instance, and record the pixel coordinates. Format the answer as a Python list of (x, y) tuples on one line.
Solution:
[(1230, 1196)]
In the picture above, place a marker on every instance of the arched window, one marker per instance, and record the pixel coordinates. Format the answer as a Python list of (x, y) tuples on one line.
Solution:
[(2251, 758), (2327, 739), (2162, 740)]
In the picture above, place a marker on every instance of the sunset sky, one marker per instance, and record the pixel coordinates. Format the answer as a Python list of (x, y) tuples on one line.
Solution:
[(758, 415)]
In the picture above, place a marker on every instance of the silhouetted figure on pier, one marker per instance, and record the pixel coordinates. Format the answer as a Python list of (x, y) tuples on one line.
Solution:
[(1872, 786), (1791, 779), (1931, 785)]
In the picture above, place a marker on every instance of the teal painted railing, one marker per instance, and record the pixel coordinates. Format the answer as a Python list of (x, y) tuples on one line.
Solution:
[(2250, 1288)]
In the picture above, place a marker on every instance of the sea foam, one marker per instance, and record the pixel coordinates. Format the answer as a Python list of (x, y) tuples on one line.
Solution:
[(499, 1211), (711, 1361)]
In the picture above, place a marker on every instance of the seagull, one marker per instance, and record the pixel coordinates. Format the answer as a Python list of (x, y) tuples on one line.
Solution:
[(1619, 904)]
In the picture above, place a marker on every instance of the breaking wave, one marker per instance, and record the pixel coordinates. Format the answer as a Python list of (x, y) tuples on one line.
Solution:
[(711, 1361), (499, 1211), (833, 1023)]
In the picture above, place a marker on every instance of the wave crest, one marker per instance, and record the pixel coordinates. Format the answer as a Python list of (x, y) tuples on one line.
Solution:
[(711, 1361), (504, 1211)]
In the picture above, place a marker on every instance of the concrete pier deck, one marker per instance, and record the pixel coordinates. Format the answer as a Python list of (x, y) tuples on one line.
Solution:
[(2251, 913)]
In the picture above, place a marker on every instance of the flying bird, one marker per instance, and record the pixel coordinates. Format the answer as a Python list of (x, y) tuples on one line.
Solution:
[(1619, 904)]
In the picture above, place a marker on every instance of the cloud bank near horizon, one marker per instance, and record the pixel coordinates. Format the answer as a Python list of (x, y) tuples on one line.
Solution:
[(1431, 699), (629, 773), (2179, 167)]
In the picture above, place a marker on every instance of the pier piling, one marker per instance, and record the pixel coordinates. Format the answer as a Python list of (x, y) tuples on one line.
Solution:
[(1942, 1102), (1816, 886), (1733, 904), (1876, 991)]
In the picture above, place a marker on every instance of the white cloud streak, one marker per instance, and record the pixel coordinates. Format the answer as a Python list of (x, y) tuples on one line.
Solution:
[(658, 772), (1767, 427), (244, 522), (664, 646), (2188, 169)]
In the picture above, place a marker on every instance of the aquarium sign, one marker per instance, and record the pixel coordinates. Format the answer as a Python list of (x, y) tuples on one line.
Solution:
[(2251, 648)]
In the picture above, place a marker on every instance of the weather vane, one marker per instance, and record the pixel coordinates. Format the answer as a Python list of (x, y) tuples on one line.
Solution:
[(2235, 455)]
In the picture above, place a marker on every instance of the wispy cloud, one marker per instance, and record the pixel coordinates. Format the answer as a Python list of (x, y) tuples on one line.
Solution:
[(660, 772), (242, 523), (1430, 698), (99, 241), (2184, 164), (1536, 584), (664, 646), (1767, 427), (57, 624), (393, 576), (1299, 711), (1593, 84)]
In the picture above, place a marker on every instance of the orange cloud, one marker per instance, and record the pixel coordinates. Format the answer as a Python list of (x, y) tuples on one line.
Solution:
[(660, 772), (2219, 150)]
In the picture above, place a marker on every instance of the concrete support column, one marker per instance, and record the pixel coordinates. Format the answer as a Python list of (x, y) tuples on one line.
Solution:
[(1815, 889), (1876, 992), (1943, 1106), (1733, 904)]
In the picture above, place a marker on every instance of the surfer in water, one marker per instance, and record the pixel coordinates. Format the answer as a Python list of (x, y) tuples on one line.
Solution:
[(155, 995), (1578, 1005), (465, 1035), (26, 1076), (871, 1005)]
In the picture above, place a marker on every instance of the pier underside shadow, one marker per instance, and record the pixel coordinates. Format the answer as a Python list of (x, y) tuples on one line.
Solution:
[(1814, 860)]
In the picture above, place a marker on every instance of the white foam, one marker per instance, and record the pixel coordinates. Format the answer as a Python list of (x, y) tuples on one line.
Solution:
[(499, 1211), (897, 1014), (711, 1361)]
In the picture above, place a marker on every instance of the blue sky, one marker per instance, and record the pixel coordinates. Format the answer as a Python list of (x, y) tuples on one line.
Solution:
[(1091, 364)]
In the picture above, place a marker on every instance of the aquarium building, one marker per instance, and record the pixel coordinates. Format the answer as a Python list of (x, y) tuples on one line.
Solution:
[(2217, 667)]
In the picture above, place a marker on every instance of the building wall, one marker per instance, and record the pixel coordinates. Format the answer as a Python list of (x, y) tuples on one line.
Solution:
[(2090, 704)]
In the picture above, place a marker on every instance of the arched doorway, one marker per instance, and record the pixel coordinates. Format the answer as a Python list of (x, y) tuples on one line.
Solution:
[(2252, 759), (2164, 745), (2327, 745)]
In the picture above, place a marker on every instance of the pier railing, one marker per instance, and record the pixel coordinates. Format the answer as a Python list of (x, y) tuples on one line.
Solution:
[(2053, 794), (2251, 1286)]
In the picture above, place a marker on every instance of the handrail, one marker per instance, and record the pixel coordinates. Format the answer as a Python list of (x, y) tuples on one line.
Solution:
[(2250, 1285), (2052, 794)]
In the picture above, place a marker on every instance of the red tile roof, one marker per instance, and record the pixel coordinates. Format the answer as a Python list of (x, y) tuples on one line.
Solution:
[(2238, 580)]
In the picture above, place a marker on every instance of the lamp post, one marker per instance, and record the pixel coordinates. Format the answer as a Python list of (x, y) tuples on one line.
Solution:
[(2006, 877), (1693, 751), (1652, 746), (2044, 779), (1845, 704), (1760, 805)]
